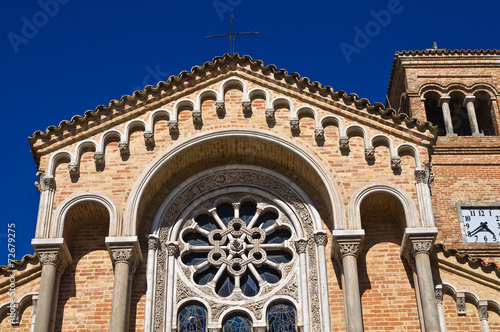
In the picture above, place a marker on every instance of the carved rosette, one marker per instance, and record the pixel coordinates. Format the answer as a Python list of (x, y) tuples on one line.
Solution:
[(461, 304), (348, 249), (301, 246), (123, 147), (439, 296), (149, 138), (152, 243), (319, 133), (73, 169), (294, 125), (344, 143), (396, 162), (269, 114), (370, 153), (45, 182), (246, 107), (482, 310), (173, 127), (420, 247), (320, 238), (197, 116), (99, 158), (220, 107)]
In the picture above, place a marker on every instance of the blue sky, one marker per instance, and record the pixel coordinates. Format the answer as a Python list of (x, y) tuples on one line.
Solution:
[(63, 57)]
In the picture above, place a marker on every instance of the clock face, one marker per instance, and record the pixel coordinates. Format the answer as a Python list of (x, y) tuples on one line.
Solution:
[(481, 224)]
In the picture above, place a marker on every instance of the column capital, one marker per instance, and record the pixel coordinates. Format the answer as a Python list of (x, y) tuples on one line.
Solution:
[(438, 292), (469, 99), (172, 248), (45, 182), (53, 251), (347, 242), (444, 99), (320, 238), (124, 249), (152, 242), (301, 246), (417, 241), (482, 310)]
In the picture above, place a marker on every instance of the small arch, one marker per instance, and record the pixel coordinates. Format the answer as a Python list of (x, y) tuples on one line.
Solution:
[(354, 204), (209, 93), (108, 136), (157, 115), (82, 147), (115, 213), (133, 125), (56, 159), (182, 105), (355, 130), (433, 110), (332, 120), (304, 111), (483, 107), (230, 82), (187, 303), (24, 302), (384, 140), (280, 101), (236, 311), (408, 149), (258, 92)]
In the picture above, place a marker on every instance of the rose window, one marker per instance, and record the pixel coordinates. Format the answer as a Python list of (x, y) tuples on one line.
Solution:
[(237, 247)]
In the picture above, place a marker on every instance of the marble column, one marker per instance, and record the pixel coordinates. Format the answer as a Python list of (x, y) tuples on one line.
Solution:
[(438, 291), (482, 310), (444, 102), (125, 255), (152, 248), (55, 258), (417, 245), (347, 244), (301, 247), (321, 239), (471, 112)]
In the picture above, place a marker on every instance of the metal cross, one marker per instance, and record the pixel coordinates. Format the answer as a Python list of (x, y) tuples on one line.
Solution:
[(232, 35)]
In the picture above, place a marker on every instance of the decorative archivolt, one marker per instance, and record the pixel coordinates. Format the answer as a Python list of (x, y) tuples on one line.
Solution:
[(461, 296), (296, 114)]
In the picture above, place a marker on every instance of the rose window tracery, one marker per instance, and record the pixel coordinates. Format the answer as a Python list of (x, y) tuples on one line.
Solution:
[(237, 247)]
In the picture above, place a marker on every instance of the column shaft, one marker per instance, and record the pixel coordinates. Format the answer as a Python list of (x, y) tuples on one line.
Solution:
[(351, 292), (44, 316), (119, 310), (426, 288), (471, 112), (445, 106)]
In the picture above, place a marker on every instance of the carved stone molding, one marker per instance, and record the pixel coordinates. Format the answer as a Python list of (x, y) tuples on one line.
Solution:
[(99, 158), (344, 143), (246, 107), (270, 114), (301, 246), (461, 304), (172, 249), (152, 243), (420, 247), (482, 311), (122, 256), (370, 153), (438, 292), (149, 138), (319, 133), (123, 147), (45, 182), (73, 169), (196, 116), (294, 125), (320, 238), (220, 107), (396, 162), (348, 249)]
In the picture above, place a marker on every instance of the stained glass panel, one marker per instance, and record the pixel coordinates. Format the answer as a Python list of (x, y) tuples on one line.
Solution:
[(237, 324), (225, 212), (266, 220), (247, 211), (206, 222), (281, 318), (192, 318)]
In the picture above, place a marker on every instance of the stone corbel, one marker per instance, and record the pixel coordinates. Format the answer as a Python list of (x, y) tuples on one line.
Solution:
[(197, 116), (124, 249), (220, 107), (149, 138), (45, 182), (344, 143), (347, 242), (246, 106), (173, 127), (319, 134), (270, 114)]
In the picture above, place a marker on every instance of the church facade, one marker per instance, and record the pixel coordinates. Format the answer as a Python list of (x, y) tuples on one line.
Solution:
[(239, 197)]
